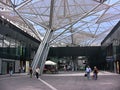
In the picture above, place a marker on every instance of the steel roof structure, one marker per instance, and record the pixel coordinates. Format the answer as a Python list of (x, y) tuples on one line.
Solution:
[(74, 22)]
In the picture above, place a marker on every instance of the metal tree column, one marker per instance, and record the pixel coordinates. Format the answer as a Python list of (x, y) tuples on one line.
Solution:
[(42, 52)]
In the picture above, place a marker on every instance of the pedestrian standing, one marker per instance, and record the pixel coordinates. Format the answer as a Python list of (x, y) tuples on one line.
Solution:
[(37, 72), (64, 68), (95, 73), (88, 70), (19, 69), (23, 69), (10, 70)]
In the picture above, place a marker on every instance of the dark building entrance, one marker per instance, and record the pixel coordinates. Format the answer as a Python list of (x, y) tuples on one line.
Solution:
[(94, 55)]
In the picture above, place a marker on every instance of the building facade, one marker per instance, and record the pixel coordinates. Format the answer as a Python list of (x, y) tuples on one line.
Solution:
[(111, 44), (17, 48)]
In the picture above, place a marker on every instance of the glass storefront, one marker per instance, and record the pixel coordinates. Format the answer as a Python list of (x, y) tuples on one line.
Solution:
[(6, 65)]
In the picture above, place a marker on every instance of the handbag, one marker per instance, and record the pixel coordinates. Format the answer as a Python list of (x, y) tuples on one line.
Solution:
[(85, 75)]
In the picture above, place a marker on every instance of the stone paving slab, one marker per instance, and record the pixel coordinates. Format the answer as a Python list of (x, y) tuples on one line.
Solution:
[(61, 81)]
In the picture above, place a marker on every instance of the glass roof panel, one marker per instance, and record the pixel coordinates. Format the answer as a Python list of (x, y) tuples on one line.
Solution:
[(89, 21)]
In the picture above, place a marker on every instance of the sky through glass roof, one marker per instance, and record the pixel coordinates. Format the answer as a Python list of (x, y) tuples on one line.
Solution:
[(75, 22)]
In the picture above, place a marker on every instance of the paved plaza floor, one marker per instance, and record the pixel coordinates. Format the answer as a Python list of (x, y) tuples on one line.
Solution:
[(60, 81)]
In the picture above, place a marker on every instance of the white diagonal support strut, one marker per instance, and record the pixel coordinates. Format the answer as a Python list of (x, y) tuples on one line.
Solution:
[(42, 52)]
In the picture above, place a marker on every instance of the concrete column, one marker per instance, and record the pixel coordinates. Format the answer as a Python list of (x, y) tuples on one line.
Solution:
[(115, 67), (114, 55), (115, 44), (27, 66), (0, 65)]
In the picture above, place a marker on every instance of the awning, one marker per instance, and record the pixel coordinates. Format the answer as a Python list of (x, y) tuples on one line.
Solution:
[(50, 63)]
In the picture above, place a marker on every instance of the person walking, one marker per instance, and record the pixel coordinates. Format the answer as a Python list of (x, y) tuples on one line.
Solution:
[(10, 70), (88, 70), (30, 71), (37, 72), (95, 73)]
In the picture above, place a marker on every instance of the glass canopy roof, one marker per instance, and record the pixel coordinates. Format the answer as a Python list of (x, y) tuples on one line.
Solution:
[(74, 22)]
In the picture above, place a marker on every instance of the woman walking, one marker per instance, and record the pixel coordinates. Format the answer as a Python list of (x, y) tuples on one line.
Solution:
[(37, 72)]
